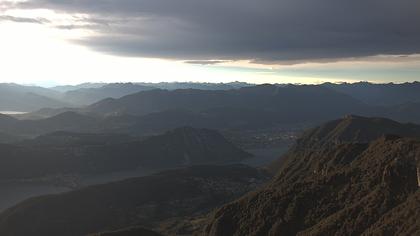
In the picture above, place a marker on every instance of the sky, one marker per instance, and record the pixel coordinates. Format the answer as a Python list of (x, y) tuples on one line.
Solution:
[(56, 42)]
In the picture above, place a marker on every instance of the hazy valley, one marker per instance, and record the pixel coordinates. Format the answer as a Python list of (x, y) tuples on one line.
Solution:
[(212, 160)]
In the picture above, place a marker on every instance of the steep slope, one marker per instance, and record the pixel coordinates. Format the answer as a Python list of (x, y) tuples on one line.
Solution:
[(77, 154), (402, 220), (339, 179), (350, 129), (357, 129), (146, 201)]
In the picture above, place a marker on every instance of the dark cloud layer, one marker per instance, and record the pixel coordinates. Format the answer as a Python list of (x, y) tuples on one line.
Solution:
[(263, 30)]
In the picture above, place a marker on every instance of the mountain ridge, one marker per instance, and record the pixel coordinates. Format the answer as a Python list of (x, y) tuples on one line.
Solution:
[(344, 188)]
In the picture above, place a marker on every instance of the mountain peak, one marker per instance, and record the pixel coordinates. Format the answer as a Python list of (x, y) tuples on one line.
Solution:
[(357, 129)]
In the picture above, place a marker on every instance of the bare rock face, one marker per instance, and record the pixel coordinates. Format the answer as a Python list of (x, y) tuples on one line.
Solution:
[(333, 183)]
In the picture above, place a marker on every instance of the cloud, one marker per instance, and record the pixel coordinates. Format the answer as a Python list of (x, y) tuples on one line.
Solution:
[(205, 62), (283, 31), (23, 19)]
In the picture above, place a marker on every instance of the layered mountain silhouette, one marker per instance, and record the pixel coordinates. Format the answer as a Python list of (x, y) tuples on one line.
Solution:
[(146, 201), (159, 110), (67, 88), (354, 176), (201, 86), (30, 98), (88, 93), (15, 97), (241, 107), (287, 104), (68, 153), (87, 96)]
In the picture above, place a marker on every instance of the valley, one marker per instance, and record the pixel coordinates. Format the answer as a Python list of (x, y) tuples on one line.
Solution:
[(245, 163), (209, 118)]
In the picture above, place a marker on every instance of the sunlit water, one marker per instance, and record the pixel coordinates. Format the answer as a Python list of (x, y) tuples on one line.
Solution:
[(12, 112), (264, 156)]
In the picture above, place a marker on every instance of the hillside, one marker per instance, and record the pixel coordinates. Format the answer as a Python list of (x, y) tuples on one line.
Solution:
[(339, 179), (68, 153), (7, 138), (350, 129), (146, 201), (379, 94), (66, 121)]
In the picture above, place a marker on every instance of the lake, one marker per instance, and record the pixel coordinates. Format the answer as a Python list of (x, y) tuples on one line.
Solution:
[(13, 192), (13, 112)]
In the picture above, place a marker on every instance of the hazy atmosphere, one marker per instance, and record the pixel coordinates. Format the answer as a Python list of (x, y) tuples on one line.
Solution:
[(209, 118)]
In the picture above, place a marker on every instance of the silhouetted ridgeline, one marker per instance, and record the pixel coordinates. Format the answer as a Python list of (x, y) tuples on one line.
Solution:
[(86, 96), (159, 110), (14, 97), (291, 102), (67, 153)]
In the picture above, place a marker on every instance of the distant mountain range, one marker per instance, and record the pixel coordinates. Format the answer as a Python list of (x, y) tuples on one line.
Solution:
[(14, 97), (30, 98), (273, 103), (156, 111), (86, 96), (67, 88), (291, 103)]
